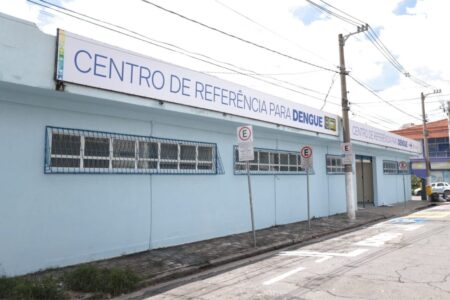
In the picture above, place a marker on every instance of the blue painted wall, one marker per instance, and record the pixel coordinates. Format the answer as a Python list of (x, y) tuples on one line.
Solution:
[(50, 220)]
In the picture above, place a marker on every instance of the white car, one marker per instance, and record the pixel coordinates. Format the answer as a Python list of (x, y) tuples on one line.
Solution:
[(437, 188), (441, 188)]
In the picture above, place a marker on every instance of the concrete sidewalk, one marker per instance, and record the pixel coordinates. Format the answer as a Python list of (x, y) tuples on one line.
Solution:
[(162, 265)]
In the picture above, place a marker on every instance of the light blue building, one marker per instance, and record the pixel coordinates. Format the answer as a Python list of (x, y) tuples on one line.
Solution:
[(119, 153)]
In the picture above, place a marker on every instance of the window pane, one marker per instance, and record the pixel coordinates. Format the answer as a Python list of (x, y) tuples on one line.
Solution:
[(263, 157), (284, 158), (65, 144), (204, 153), (274, 158), (187, 166), (240, 167), (187, 152), (205, 166), (169, 151), (123, 164), (96, 163), (148, 150), (96, 146), (65, 162), (292, 159), (147, 164), (168, 165), (123, 148)]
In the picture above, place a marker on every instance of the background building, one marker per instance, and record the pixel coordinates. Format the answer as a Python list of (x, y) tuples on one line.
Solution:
[(439, 149)]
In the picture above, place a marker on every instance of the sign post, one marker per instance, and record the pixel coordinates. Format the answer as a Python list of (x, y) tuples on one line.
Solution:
[(307, 161), (246, 153), (403, 166)]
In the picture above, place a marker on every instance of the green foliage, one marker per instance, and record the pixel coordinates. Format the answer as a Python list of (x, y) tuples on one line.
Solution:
[(45, 288), (416, 182), (113, 281)]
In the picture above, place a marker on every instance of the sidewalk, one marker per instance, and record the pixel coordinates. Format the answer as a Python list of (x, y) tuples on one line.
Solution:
[(164, 264)]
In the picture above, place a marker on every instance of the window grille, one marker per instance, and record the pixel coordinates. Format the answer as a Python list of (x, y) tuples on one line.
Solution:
[(84, 151), (390, 167), (270, 162), (334, 164)]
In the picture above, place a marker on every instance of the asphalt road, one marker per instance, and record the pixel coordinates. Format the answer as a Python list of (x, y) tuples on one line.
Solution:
[(404, 258)]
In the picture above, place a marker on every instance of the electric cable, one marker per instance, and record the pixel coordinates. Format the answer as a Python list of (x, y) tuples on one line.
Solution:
[(153, 42)]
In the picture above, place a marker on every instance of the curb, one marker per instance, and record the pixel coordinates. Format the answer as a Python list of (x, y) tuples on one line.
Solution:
[(189, 270), (164, 279)]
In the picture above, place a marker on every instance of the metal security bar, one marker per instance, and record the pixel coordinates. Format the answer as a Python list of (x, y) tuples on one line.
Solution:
[(390, 167), (84, 151), (270, 162), (334, 164)]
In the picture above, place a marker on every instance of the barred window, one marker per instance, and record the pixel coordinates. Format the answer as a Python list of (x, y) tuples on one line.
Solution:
[(334, 164), (390, 167), (269, 162), (83, 151)]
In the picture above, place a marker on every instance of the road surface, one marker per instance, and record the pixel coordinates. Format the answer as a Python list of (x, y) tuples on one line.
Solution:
[(403, 258)]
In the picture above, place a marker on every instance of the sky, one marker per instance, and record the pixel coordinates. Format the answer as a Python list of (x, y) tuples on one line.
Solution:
[(382, 94)]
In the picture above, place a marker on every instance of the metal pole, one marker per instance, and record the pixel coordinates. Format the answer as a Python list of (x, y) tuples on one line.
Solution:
[(363, 183), (404, 191), (307, 197), (346, 130), (425, 146), (251, 203)]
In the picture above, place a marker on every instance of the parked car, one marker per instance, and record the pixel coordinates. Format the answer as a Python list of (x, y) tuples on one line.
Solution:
[(438, 189)]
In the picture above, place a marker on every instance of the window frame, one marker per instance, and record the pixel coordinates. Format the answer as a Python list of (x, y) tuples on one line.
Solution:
[(205, 165), (342, 166), (390, 170), (269, 168)]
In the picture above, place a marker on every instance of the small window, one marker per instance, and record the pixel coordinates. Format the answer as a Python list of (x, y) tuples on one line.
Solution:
[(390, 167), (83, 151), (270, 162), (334, 164)]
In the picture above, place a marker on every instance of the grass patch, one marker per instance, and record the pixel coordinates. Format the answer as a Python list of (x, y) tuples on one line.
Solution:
[(30, 288), (90, 279)]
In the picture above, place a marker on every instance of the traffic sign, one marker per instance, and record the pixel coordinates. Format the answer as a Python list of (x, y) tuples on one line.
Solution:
[(306, 152), (347, 159), (307, 157), (245, 134), (245, 143), (402, 166), (346, 148)]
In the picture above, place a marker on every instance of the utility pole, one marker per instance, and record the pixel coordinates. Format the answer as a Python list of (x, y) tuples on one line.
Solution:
[(346, 124), (426, 151)]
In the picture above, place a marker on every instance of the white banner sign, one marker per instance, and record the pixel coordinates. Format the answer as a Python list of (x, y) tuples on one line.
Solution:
[(364, 133), (91, 63)]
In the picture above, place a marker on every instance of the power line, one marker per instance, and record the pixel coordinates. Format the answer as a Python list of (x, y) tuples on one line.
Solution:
[(385, 101), (373, 37), (238, 38), (268, 74), (146, 39), (406, 99), (269, 30), (329, 90)]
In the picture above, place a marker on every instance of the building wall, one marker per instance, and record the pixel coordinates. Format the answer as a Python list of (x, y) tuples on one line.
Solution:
[(51, 220)]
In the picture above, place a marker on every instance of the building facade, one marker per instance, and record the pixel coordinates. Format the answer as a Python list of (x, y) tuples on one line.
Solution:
[(91, 169), (439, 149)]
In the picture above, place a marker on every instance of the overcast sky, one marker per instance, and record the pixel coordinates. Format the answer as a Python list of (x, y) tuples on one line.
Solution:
[(413, 32)]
